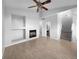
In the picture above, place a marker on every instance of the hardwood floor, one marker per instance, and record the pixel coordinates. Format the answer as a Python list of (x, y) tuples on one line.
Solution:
[(42, 48)]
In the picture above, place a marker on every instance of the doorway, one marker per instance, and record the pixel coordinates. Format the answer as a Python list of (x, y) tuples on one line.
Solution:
[(48, 29), (66, 32)]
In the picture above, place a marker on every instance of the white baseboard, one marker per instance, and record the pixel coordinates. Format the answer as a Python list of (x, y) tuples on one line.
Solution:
[(24, 40), (3, 50)]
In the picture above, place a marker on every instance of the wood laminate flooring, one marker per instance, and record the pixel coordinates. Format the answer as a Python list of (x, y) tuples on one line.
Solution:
[(42, 48)]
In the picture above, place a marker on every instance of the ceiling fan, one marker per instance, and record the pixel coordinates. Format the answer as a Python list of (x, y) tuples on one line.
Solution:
[(39, 5)]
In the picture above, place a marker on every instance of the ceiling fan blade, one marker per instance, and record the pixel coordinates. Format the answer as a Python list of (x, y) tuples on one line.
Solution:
[(35, 1), (31, 6), (46, 2), (44, 8)]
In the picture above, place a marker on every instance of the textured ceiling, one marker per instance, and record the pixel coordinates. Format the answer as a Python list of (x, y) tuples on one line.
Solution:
[(23, 4)]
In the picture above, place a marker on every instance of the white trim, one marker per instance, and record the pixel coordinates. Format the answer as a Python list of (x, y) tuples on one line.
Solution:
[(24, 40), (3, 50)]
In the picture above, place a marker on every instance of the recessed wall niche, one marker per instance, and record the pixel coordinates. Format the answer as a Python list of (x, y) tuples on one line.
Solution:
[(18, 27), (18, 21)]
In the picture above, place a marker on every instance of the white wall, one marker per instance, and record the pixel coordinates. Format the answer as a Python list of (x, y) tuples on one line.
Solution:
[(59, 25), (52, 20), (3, 33), (56, 23), (32, 22), (74, 24)]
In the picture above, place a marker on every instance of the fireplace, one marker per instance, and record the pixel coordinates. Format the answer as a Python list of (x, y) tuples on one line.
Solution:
[(32, 33)]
